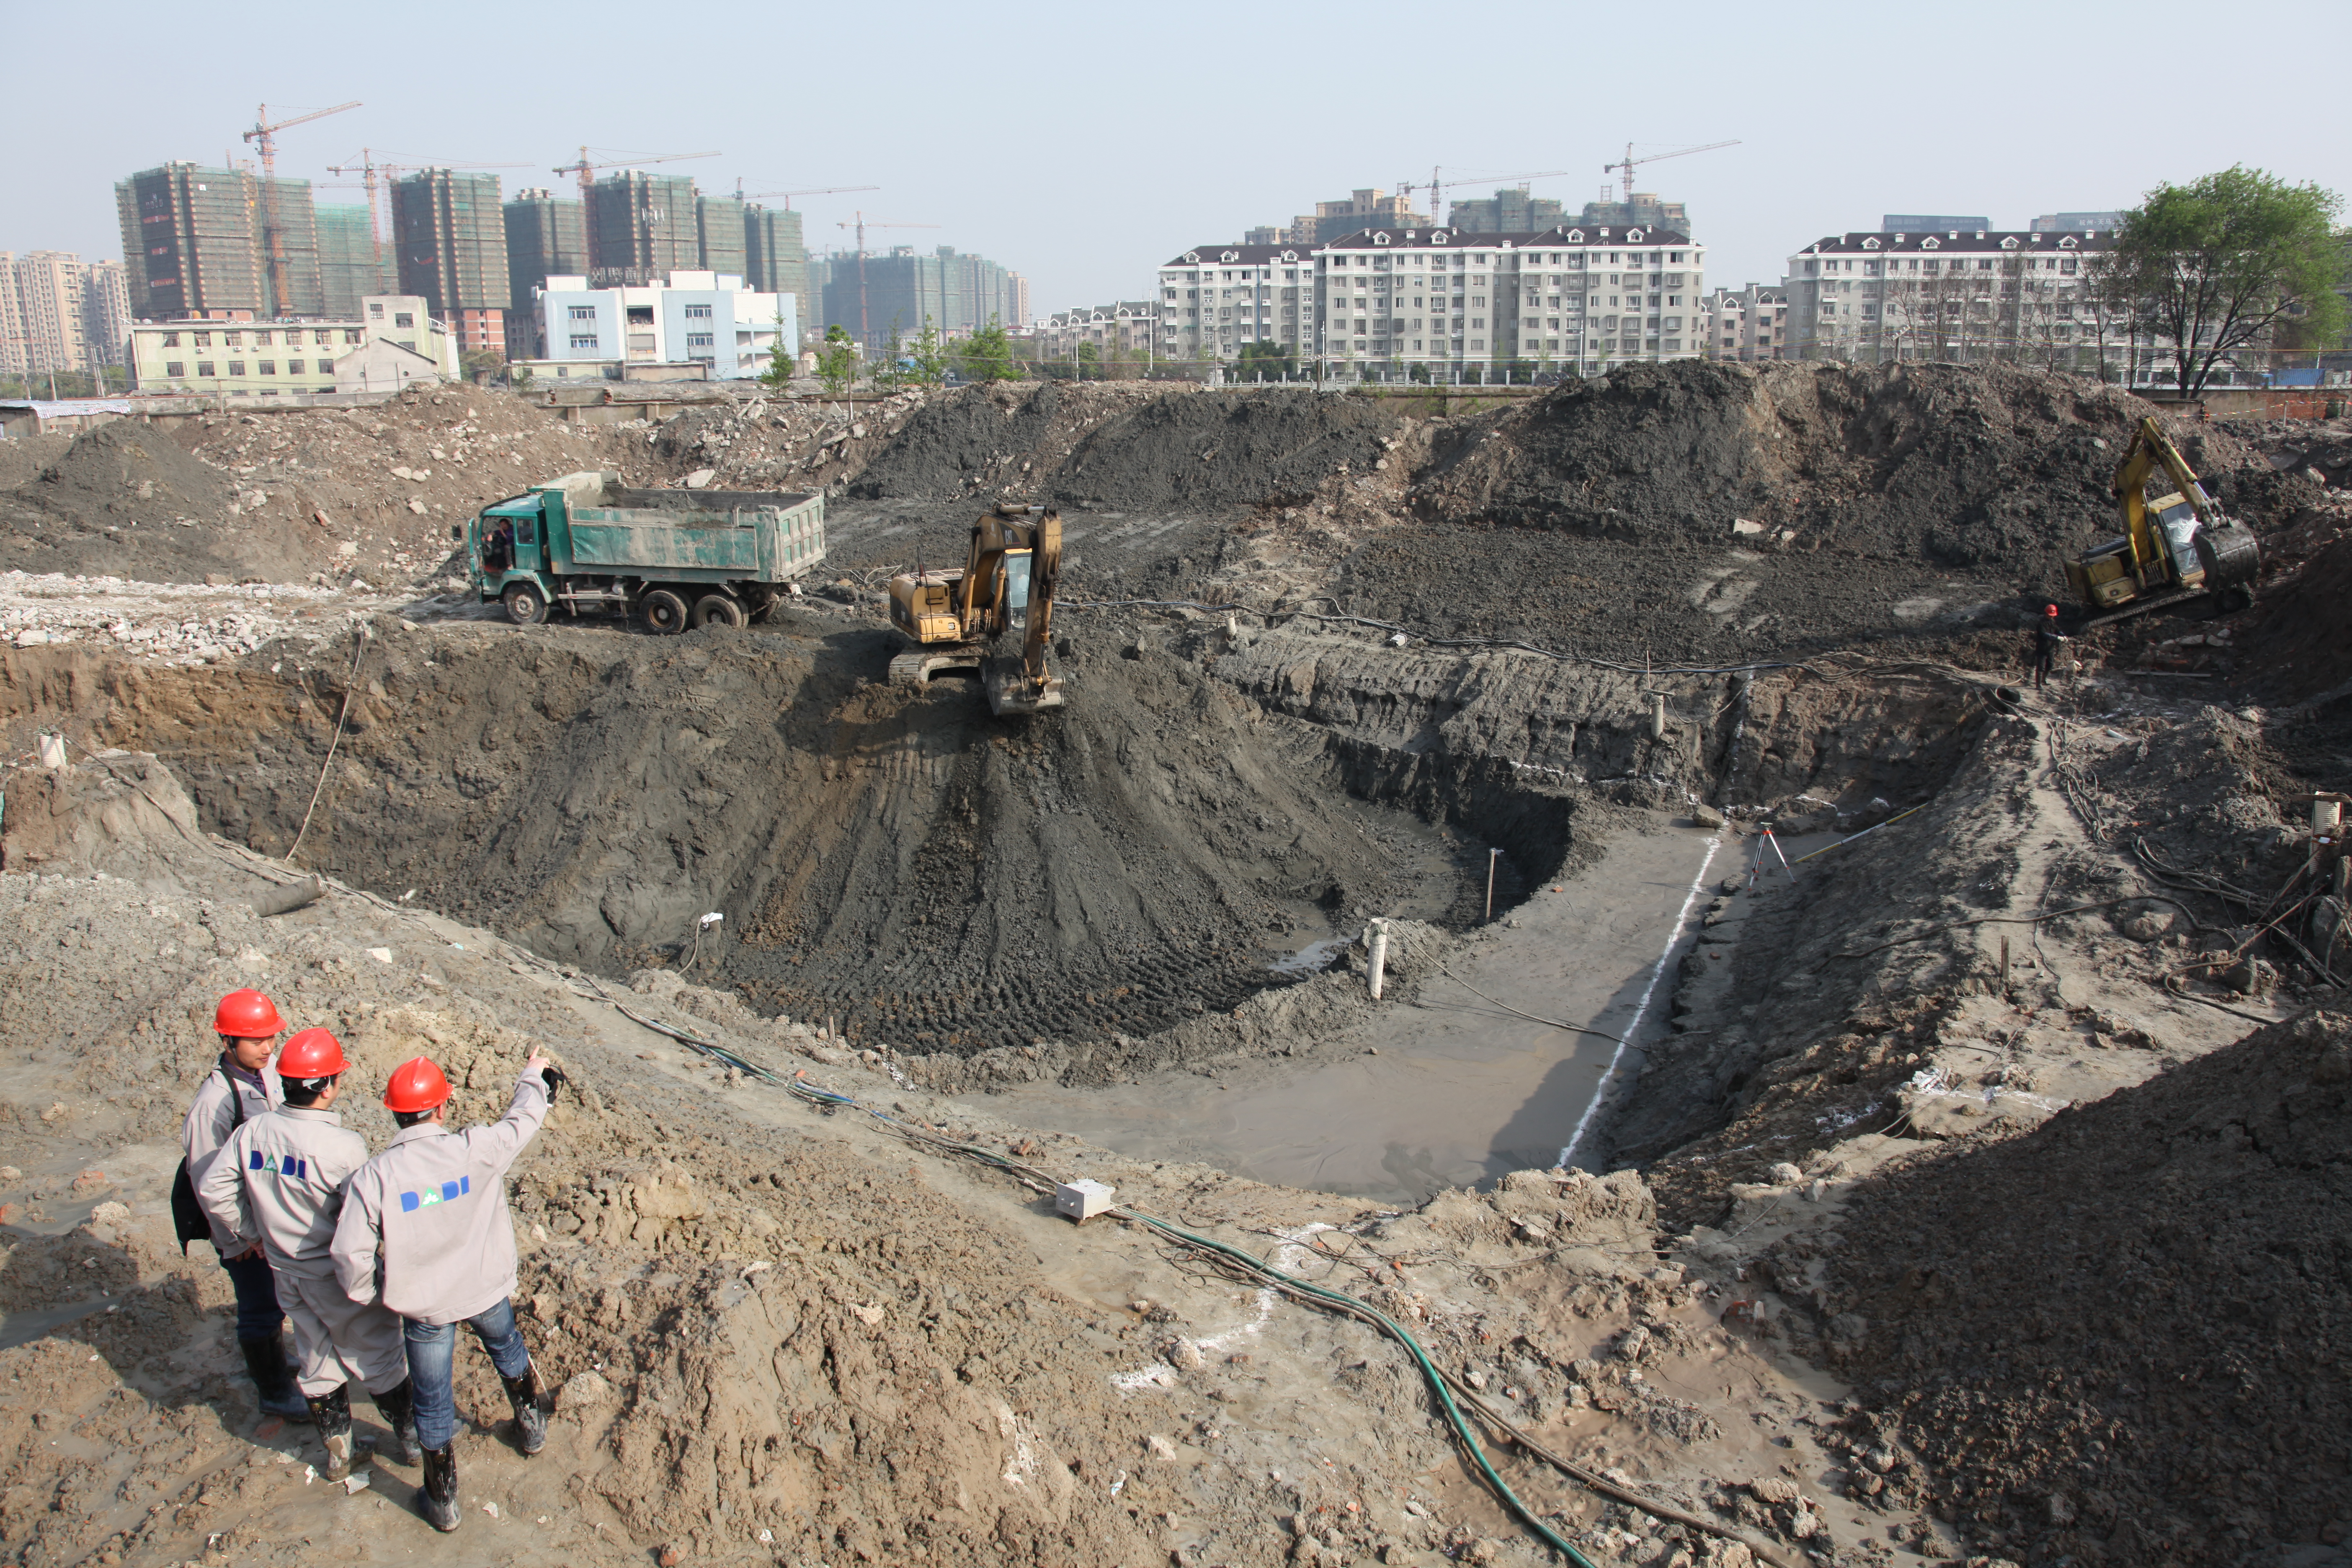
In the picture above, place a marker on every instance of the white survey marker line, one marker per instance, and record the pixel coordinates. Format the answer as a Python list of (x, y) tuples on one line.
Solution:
[(1641, 1008)]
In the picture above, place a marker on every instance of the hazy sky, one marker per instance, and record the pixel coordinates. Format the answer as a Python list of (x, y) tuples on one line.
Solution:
[(1084, 145)]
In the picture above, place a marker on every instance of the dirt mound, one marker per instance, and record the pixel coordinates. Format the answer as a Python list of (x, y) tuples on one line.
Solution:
[(940, 879), (1962, 467), (1128, 446), (23, 457), (2109, 1336), (125, 501)]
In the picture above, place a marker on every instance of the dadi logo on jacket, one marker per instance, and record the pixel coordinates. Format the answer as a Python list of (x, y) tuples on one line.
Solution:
[(446, 1193)]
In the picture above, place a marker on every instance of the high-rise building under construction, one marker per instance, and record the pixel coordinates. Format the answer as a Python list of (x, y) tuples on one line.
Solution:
[(449, 233), (353, 262), (194, 241), (774, 260), (642, 227), (899, 290), (546, 236)]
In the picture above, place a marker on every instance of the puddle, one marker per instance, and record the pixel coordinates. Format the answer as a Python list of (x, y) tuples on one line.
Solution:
[(1450, 1091), (1312, 959)]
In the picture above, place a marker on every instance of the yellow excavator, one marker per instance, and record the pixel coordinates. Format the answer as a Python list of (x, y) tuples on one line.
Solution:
[(2174, 548), (951, 618)]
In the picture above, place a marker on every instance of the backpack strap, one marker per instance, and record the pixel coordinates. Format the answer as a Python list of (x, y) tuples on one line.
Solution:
[(236, 1095)]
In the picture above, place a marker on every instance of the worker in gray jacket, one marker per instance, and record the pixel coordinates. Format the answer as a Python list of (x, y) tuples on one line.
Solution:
[(425, 1229), (239, 1088), (279, 1181)]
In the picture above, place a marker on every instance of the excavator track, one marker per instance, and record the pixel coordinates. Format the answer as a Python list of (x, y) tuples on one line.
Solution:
[(916, 667)]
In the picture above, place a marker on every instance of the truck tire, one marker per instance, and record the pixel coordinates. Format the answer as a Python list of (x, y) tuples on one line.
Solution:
[(526, 606), (719, 610), (664, 611)]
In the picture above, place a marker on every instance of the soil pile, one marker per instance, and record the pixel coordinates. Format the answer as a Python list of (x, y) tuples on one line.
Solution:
[(126, 500), (1962, 467), (938, 878), (2113, 1337)]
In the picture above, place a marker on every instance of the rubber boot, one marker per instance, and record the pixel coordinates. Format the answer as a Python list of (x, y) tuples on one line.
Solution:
[(439, 1495), (531, 1421), (265, 1360), (397, 1406), (332, 1412)]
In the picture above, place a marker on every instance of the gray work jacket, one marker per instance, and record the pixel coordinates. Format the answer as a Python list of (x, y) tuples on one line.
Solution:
[(425, 1226), (280, 1181), (210, 1121)]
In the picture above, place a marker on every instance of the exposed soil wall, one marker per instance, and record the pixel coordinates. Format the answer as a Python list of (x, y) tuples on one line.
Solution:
[(2108, 1335)]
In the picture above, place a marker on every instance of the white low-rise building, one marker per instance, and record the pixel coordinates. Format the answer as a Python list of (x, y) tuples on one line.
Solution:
[(229, 352), (708, 317), (1450, 305)]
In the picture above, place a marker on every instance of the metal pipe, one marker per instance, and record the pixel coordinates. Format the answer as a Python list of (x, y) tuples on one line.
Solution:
[(1376, 938), (1491, 856)]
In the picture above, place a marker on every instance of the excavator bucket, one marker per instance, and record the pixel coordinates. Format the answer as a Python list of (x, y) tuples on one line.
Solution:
[(1011, 691)]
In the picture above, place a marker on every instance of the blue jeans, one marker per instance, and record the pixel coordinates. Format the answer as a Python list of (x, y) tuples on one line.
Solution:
[(432, 1349), (257, 1313)]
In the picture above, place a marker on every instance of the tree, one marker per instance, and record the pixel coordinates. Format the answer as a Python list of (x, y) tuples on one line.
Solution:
[(836, 363), (1263, 361), (2224, 263), (779, 374), (890, 371), (988, 355), (928, 357)]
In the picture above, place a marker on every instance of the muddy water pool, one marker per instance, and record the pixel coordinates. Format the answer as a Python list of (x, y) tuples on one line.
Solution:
[(1451, 1089)]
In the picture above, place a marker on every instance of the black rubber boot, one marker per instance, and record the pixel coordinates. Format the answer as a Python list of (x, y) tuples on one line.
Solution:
[(265, 1360), (439, 1495), (397, 1406), (531, 1421), (332, 1412)]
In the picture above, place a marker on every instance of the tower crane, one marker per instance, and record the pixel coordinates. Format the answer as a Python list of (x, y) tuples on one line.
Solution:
[(861, 226), (264, 137), (368, 168), (1407, 188), (743, 195), (1627, 163), (586, 170)]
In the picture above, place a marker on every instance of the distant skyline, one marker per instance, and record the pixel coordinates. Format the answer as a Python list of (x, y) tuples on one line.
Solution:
[(1082, 147)]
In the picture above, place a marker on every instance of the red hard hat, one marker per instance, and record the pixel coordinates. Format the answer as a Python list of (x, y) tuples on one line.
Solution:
[(248, 1016), (2051, 611), (416, 1085), (313, 1053)]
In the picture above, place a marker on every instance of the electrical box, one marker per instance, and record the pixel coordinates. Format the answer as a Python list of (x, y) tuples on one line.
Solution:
[(1082, 1199)]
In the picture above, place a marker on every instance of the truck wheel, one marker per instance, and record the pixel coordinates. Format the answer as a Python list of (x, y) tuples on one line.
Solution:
[(718, 610), (2233, 599), (664, 611), (525, 606)]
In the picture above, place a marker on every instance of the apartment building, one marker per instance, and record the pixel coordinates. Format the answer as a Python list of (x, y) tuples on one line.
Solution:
[(1128, 327), (1371, 207), (1510, 210), (1451, 304), (59, 312), (234, 353), (1746, 324), (1951, 294), (689, 317), (353, 262), (642, 227), (1218, 298)]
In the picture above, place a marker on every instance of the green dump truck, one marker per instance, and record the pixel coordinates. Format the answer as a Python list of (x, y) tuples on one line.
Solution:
[(676, 558)]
